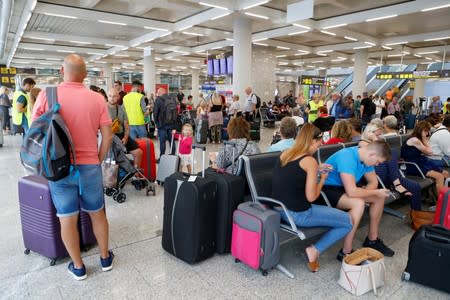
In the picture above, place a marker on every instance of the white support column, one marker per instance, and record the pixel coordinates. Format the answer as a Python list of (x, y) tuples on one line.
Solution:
[(149, 71), (195, 86), (419, 88), (130, 77), (108, 75), (360, 72), (158, 78), (242, 56), (323, 90)]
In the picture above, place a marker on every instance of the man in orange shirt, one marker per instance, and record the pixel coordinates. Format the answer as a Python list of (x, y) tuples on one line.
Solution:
[(389, 94), (85, 113)]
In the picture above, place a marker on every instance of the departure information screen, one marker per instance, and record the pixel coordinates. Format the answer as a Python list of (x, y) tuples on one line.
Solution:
[(312, 80), (413, 75)]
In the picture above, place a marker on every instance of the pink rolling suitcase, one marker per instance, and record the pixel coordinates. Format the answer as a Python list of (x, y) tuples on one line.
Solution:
[(255, 239)]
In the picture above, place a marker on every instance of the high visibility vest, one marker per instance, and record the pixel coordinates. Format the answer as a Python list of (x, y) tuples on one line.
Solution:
[(17, 116), (132, 105), (313, 111)]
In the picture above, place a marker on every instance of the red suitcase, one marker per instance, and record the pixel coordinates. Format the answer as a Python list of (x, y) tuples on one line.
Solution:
[(148, 158), (442, 215)]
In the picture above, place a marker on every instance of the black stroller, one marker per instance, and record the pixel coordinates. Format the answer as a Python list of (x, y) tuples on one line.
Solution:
[(126, 167)]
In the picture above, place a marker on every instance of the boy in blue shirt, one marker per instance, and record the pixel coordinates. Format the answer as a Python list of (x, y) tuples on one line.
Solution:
[(350, 165)]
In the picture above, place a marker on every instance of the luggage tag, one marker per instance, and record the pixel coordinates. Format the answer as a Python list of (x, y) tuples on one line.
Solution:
[(192, 178)]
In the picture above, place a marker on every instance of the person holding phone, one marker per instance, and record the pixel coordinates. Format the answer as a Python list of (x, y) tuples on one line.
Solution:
[(297, 187)]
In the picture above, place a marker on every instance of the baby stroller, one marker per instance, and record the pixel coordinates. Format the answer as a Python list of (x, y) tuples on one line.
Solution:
[(267, 118), (126, 171)]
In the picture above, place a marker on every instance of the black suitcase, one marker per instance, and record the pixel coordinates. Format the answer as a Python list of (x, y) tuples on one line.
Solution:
[(230, 193), (201, 131), (429, 257), (189, 219), (255, 130)]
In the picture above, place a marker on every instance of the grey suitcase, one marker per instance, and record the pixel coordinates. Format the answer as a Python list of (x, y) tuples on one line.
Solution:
[(1, 132), (255, 236), (168, 164), (201, 131)]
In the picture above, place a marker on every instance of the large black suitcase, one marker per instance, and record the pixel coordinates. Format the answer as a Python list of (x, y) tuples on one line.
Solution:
[(230, 193), (189, 224), (429, 257), (255, 130)]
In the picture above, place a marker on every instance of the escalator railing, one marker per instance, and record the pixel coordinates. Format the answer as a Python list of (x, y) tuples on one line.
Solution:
[(375, 84), (370, 76), (395, 82)]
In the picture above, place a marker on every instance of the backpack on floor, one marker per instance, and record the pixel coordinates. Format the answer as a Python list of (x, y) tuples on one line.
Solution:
[(47, 147)]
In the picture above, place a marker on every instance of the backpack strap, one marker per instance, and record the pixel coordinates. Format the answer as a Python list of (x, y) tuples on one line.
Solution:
[(52, 97)]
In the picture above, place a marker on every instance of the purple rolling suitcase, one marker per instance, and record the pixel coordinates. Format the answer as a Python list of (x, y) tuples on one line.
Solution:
[(40, 225), (87, 237)]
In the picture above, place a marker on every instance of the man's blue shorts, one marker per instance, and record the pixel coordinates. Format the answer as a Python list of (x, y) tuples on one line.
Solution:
[(88, 183)]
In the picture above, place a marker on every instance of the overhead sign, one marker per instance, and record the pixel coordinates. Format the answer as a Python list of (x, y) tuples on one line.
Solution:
[(413, 75), (301, 10), (312, 80), (7, 76)]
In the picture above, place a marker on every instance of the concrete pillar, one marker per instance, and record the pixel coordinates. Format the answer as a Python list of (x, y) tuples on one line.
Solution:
[(195, 86), (149, 71), (360, 72), (263, 80), (419, 89), (242, 56), (108, 75), (158, 78), (323, 90), (130, 77)]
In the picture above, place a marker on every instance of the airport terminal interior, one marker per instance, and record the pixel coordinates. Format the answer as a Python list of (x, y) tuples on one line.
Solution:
[(285, 50)]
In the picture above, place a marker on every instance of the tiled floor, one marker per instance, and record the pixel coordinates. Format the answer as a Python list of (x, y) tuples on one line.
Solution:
[(142, 270)]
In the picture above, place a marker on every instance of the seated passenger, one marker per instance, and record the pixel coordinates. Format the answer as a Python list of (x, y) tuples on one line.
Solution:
[(296, 115), (288, 130), (295, 184), (390, 126), (388, 171), (415, 150), (349, 166), (340, 133), (439, 141), (324, 121), (239, 133), (356, 129), (118, 114)]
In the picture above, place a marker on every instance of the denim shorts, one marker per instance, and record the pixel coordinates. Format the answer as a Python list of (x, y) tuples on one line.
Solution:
[(66, 192)]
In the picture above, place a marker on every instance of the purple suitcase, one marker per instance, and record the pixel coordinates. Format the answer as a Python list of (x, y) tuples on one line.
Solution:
[(87, 237), (40, 225)]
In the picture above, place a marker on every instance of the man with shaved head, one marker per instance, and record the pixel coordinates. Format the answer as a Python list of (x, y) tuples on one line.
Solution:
[(85, 112)]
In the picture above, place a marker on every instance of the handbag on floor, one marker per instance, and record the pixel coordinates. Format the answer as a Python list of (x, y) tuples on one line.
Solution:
[(362, 271), (421, 217), (110, 172)]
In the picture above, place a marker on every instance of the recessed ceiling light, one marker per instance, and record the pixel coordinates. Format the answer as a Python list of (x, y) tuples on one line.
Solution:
[(80, 42), (121, 55), (435, 7), (298, 32), (335, 26), (284, 55), (350, 38), (186, 27), (362, 47), (257, 16), (212, 5), (327, 32), (192, 33), (51, 58), (260, 44), (427, 52), (386, 47), (65, 51), (301, 26), (256, 4), (428, 58), (218, 47), (381, 18), (437, 39), (61, 16), (283, 48), (95, 53), (220, 16), (259, 40), (112, 22), (114, 45), (155, 28), (394, 55), (370, 43), (325, 51), (396, 43), (39, 38), (34, 49), (317, 62), (417, 55), (282, 63)]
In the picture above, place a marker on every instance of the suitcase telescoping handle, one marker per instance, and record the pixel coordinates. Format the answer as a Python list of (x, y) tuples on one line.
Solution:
[(203, 148)]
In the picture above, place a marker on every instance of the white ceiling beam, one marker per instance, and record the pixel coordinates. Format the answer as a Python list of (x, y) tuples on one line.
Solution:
[(68, 38), (199, 18), (89, 3), (58, 47), (417, 37), (210, 46), (396, 9), (92, 15)]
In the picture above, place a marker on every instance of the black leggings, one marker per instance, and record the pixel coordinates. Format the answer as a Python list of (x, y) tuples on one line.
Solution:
[(4, 115)]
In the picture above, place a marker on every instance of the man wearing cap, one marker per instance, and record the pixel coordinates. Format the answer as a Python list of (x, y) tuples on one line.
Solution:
[(135, 107)]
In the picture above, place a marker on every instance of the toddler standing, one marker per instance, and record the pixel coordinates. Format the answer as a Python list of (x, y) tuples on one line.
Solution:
[(185, 147)]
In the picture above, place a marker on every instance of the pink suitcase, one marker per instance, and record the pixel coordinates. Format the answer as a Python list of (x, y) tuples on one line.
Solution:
[(255, 239)]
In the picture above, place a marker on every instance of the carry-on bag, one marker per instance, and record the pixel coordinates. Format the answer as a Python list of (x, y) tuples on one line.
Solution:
[(255, 239), (168, 164), (230, 193), (189, 222), (41, 229), (148, 158), (442, 215), (87, 237), (255, 130), (429, 257), (201, 131), (1, 132), (362, 271)]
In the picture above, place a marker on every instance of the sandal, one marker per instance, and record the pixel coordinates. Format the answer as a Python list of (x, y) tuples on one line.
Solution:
[(405, 193)]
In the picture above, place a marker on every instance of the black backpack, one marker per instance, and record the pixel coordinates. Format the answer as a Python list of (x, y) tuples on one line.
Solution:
[(258, 101), (371, 109), (170, 110)]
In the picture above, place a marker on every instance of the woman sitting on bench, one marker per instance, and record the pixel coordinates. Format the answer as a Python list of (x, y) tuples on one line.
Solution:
[(295, 185)]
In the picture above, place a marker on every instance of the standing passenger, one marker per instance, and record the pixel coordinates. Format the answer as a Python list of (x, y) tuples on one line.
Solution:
[(84, 112), (135, 107), (20, 114)]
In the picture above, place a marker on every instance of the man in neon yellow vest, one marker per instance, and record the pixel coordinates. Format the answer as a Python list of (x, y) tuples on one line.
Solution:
[(135, 107), (313, 107), (20, 113)]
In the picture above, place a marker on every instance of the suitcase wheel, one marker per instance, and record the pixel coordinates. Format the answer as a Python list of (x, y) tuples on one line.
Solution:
[(53, 262), (120, 197), (405, 276), (264, 272), (26, 251), (108, 191), (236, 260)]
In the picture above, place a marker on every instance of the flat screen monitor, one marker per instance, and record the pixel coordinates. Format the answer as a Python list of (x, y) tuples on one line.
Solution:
[(230, 65), (216, 67), (210, 67), (223, 66)]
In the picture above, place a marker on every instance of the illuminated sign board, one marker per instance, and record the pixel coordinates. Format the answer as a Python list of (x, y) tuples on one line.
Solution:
[(413, 75), (312, 80)]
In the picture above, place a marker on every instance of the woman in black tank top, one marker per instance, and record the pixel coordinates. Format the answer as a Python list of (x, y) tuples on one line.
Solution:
[(296, 186)]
